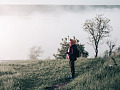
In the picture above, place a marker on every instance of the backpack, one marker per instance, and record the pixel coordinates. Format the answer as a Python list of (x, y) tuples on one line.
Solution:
[(77, 53)]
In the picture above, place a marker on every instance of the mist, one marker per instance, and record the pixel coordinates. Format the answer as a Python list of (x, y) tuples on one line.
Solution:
[(23, 26)]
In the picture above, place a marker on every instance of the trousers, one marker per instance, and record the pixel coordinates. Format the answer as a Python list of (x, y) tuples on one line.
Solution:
[(72, 68)]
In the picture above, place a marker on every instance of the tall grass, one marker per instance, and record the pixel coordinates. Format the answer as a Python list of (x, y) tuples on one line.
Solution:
[(95, 74), (91, 74)]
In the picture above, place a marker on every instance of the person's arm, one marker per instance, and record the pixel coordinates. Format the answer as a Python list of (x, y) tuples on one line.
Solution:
[(71, 51)]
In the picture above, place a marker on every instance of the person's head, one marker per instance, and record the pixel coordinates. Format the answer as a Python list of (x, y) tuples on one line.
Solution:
[(72, 41)]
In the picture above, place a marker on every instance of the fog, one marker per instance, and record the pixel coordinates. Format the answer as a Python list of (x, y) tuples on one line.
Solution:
[(63, 2), (23, 26)]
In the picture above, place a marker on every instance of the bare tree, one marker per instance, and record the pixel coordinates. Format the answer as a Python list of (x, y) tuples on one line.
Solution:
[(98, 28), (35, 52), (111, 45)]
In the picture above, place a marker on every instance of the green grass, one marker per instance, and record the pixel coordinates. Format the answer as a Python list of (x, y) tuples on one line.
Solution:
[(91, 74)]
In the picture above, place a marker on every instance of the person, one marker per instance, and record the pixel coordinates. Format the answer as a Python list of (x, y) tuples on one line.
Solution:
[(72, 56)]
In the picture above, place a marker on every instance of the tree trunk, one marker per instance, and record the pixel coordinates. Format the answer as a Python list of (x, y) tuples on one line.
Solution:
[(114, 61), (96, 51), (110, 52)]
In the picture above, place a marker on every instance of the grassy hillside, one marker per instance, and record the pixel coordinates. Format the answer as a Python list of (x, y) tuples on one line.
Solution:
[(91, 74)]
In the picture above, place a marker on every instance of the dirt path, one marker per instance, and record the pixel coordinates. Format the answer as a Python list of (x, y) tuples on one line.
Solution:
[(59, 86)]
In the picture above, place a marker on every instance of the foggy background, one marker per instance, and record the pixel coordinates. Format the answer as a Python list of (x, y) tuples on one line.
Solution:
[(24, 26), (63, 2)]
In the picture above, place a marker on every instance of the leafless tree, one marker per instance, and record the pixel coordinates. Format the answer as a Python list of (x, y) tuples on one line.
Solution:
[(35, 52), (97, 28), (111, 45)]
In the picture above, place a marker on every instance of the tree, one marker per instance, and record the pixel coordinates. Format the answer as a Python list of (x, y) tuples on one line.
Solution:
[(97, 28), (64, 47), (61, 51), (82, 51), (111, 45), (35, 52)]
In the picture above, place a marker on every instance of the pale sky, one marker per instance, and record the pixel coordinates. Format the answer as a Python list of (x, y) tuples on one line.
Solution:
[(23, 26), (63, 2)]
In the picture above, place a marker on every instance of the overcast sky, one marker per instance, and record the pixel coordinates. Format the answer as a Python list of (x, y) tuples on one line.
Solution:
[(63, 2), (23, 26)]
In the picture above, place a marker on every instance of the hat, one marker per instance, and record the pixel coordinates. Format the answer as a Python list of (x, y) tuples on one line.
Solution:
[(73, 41)]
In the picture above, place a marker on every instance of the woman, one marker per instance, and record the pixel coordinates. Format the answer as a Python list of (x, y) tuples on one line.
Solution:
[(72, 56)]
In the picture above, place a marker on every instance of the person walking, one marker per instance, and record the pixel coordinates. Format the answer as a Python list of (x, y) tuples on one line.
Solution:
[(72, 56)]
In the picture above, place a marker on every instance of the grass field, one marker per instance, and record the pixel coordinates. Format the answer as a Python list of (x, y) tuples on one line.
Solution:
[(91, 74)]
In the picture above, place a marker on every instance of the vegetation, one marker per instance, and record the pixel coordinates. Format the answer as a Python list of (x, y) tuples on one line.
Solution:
[(64, 47), (91, 74), (35, 52), (97, 28), (111, 45)]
